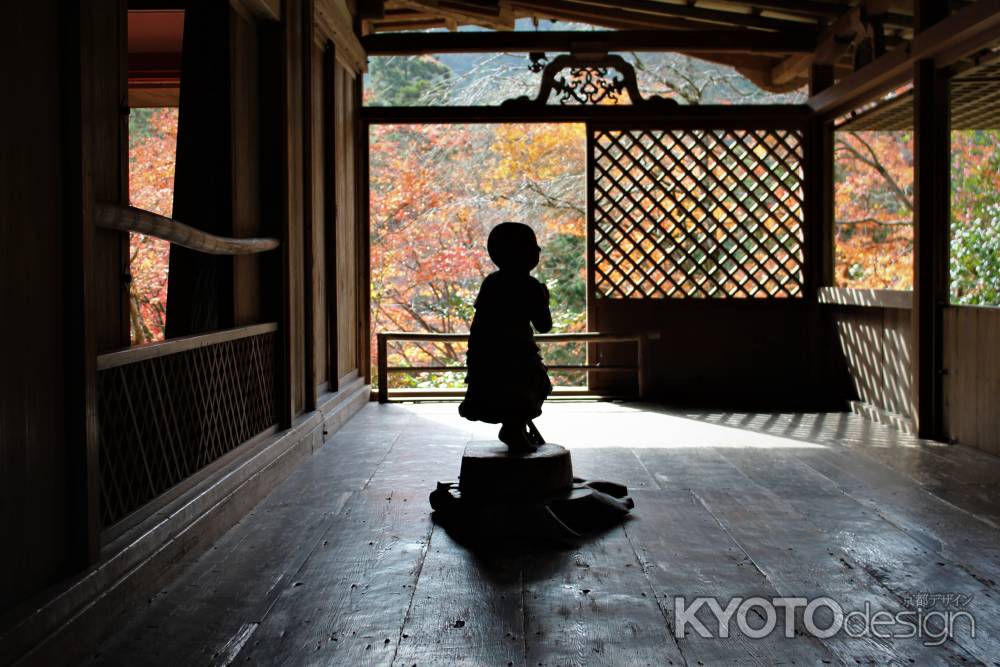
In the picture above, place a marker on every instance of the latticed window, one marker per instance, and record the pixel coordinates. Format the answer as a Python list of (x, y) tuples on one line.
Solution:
[(697, 213)]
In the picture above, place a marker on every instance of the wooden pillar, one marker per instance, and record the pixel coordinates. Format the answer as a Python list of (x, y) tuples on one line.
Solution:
[(200, 287), (363, 286), (308, 314), (820, 159), (932, 195), (330, 211)]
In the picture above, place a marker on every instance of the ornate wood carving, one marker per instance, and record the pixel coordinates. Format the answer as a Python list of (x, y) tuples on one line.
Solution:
[(586, 79)]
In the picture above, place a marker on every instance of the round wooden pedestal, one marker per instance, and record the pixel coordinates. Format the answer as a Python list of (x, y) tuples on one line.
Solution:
[(489, 471)]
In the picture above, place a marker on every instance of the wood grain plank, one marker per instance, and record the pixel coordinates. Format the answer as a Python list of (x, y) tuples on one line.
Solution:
[(467, 608), (798, 560), (617, 464), (930, 520), (684, 551), (987, 389), (347, 603), (968, 374), (591, 605), (898, 562)]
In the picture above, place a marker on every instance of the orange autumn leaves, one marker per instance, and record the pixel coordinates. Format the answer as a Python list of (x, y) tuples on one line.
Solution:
[(152, 152), (437, 190), (874, 209)]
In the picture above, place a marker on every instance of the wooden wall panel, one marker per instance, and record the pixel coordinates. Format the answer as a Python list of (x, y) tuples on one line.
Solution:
[(736, 353), (245, 96), (62, 141), (972, 376), (347, 236), (876, 346), (33, 288)]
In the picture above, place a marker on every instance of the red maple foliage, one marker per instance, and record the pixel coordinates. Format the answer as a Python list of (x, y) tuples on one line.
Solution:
[(152, 155)]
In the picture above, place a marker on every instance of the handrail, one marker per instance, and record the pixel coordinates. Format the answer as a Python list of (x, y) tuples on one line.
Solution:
[(131, 219), (176, 345), (384, 368)]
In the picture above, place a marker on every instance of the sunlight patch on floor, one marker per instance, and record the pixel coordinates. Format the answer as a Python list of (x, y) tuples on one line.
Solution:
[(592, 425)]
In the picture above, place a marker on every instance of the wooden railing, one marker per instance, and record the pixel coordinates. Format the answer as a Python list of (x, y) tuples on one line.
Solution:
[(166, 410), (131, 219), (384, 368)]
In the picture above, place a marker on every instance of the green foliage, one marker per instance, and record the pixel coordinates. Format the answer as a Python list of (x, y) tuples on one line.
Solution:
[(408, 81), (563, 265), (975, 260), (141, 125), (975, 222)]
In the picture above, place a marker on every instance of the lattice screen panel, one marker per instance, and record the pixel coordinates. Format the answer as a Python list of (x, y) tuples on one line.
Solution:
[(697, 213), (165, 418)]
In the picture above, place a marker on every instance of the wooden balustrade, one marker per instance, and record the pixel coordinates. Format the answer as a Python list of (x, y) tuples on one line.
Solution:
[(167, 410), (384, 368)]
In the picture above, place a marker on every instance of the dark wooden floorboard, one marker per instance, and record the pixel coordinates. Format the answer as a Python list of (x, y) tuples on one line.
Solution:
[(467, 608), (591, 605), (896, 560), (347, 602), (684, 551), (342, 564)]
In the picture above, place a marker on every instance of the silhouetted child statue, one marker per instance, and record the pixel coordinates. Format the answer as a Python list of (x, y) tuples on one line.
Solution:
[(507, 381)]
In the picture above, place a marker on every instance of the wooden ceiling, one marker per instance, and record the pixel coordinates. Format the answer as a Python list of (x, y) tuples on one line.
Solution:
[(975, 103), (833, 27)]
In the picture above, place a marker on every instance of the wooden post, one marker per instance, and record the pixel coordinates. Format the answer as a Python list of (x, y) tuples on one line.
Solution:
[(640, 366), (820, 160), (363, 287), (932, 195), (308, 314), (330, 211), (383, 373)]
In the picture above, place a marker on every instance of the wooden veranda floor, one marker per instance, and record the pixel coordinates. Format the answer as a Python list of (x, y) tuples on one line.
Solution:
[(341, 564)]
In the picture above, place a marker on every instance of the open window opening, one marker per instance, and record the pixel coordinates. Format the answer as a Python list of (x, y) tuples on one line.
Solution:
[(663, 222), (975, 185), (154, 60), (873, 197), (436, 191)]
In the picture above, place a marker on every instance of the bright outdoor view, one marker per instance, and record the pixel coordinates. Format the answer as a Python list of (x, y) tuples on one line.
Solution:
[(436, 190), (874, 213), (152, 148)]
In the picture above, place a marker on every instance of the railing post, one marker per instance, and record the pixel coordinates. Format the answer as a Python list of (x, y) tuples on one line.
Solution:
[(640, 361), (383, 374)]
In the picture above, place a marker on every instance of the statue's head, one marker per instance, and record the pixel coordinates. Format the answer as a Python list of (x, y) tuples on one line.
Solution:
[(513, 246)]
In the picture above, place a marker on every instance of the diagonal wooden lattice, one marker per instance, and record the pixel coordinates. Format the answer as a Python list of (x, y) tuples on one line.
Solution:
[(697, 213), (163, 419)]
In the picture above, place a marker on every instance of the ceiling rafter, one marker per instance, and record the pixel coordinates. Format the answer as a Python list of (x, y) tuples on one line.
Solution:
[(612, 18), (694, 12)]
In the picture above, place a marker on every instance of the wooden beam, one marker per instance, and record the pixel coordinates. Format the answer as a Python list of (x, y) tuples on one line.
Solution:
[(611, 18), (695, 41), (489, 19), (701, 14), (266, 10), (965, 31), (833, 43), (718, 116), (334, 22)]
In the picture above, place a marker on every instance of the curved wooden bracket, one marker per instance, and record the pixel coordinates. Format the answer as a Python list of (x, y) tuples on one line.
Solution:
[(588, 82), (131, 219)]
